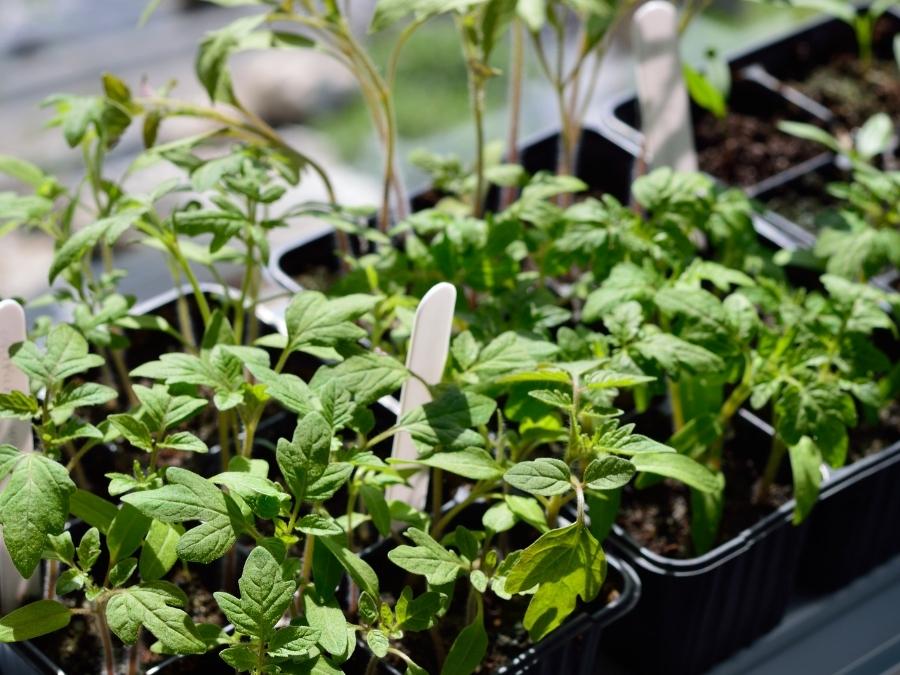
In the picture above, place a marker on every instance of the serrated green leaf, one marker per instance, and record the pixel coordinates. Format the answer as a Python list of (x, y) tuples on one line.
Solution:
[(448, 420), (265, 595), (544, 476), (428, 558), (305, 457), (189, 497), (564, 564), (33, 504), (65, 354), (155, 606)]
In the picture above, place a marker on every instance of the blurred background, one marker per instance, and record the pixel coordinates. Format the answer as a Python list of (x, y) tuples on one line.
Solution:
[(51, 46)]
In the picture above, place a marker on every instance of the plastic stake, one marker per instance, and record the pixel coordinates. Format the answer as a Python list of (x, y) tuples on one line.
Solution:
[(16, 433), (663, 98), (428, 349)]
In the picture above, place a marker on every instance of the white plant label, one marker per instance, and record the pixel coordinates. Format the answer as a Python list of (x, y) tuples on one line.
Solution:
[(663, 98), (429, 347), (16, 433)]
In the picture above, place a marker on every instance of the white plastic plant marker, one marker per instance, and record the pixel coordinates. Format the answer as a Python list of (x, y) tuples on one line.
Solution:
[(429, 347), (16, 433), (662, 95)]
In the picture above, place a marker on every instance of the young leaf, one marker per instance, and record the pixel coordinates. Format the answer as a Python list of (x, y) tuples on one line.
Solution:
[(564, 564), (134, 431), (190, 497), (158, 552), (358, 569), (18, 405), (93, 510), (419, 613), (35, 619), (377, 507), (265, 596), (314, 320), (447, 420), (329, 620), (33, 504), (126, 533), (261, 494), (305, 457), (469, 647), (154, 605), (429, 558), (87, 394), (378, 642), (680, 467), (608, 473), (806, 463), (293, 642), (544, 476), (472, 463), (66, 354)]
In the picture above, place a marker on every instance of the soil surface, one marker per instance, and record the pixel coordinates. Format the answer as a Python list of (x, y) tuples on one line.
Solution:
[(871, 438), (659, 517), (802, 200), (853, 90), (744, 150)]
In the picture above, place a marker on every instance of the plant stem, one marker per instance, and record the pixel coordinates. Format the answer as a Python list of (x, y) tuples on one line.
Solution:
[(477, 492), (437, 494), (124, 378), (776, 454), (309, 546), (553, 508), (372, 666), (224, 450), (249, 435), (676, 403), (105, 638), (133, 654), (50, 584)]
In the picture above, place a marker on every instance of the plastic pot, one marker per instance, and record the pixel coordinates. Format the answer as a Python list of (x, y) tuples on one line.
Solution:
[(700, 610), (759, 75), (855, 525)]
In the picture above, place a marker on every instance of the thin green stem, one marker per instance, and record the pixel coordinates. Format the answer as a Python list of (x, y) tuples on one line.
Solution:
[(776, 455)]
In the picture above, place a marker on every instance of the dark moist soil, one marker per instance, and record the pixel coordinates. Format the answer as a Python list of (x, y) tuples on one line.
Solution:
[(78, 650), (853, 90), (744, 150), (802, 200), (659, 517), (871, 438)]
